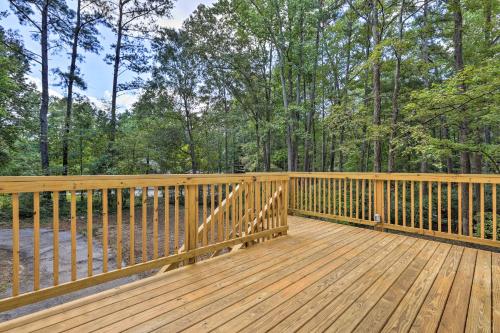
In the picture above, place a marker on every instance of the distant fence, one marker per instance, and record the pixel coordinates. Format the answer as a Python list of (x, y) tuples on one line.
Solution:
[(459, 207), (218, 212)]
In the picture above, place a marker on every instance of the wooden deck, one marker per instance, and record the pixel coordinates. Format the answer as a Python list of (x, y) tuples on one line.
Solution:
[(321, 277)]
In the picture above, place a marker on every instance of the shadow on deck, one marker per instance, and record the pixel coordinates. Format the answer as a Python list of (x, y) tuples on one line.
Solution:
[(321, 277)]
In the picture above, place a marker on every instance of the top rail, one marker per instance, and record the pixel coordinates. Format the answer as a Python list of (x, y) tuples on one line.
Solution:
[(21, 184), (457, 178)]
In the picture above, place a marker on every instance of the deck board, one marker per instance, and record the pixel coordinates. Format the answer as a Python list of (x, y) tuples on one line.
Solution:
[(320, 277)]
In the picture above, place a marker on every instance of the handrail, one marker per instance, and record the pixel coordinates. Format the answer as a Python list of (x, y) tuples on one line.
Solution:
[(449, 206), (105, 202)]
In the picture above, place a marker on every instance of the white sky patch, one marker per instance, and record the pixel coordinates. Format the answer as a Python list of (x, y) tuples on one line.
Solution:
[(123, 100), (38, 83), (98, 102)]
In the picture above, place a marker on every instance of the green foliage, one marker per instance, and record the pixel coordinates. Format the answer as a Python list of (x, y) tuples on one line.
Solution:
[(233, 90)]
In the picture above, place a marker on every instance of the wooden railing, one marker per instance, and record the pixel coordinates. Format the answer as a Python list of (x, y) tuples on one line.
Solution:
[(217, 213), (459, 207), (149, 222)]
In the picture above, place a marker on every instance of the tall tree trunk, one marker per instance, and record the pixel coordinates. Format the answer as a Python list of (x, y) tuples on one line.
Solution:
[(308, 153), (116, 69), (465, 165), (395, 94), (377, 100), (289, 127), (189, 132), (332, 154), (71, 81), (364, 143), (44, 106), (257, 135), (425, 57)]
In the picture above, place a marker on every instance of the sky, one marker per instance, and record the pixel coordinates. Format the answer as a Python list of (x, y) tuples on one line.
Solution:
[(96, 73)]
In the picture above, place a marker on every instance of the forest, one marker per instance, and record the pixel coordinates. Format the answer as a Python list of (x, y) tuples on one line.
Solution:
[(254, 85)]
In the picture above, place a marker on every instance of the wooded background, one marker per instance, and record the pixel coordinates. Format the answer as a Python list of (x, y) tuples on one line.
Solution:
[(256, 85)]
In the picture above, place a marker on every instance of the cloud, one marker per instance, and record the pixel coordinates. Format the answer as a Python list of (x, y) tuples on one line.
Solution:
[(181, 11), (100, 103), (38, 84), (171, 23), (123, 100)]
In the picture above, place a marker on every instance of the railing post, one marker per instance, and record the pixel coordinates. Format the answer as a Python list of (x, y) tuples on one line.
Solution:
[(285, 202), (191, 220), (379, 204)]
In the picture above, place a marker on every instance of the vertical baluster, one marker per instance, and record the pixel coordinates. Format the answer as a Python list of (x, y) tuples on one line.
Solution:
[(309, 207), (187, 211), (220, 230), (144, 226), (240, 209), (314, 194), (155, 223), (251, 206), (301, 194), (327, 196), (404, 203), (233, 210), (176, 219), (55, 237), (119, 200), (90, 245), (212, 213), (196, 218), (340, 197), (273, 189), (345, 197), (324, 195), (448, 197), (257, 206), (429, 190), (104, 230), (471, 212), (274, 206), (412, 203), (227, 212), (388, 201), (166, 221), (439, 206), (421, 205), (370, 217), (334, 196), (396, 202), (363, 199), (36, 241), (204, 216), (350, 198), (132, 226), (494, 209), (73, 235), (460, 208), (481, 203), (268, 203), (357, 198), (277, 186), (15, 244)]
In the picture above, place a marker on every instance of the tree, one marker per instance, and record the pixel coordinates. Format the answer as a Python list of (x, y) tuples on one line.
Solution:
[(132, 22), (178, 69), (84, 34), (44, 16)]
